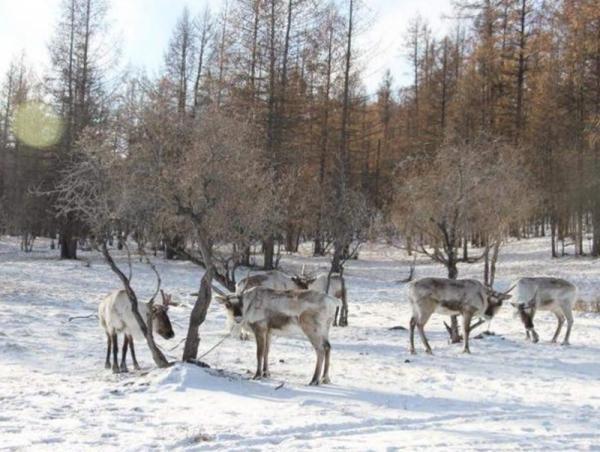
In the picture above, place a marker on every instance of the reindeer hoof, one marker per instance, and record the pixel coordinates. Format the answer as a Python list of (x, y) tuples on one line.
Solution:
[(326, 381), (116, 370), (466, 350), (107, 366), (566, 343), (124, 369), (257, 377), (136, 367), (428, 351), (413, 352), (314, 383)]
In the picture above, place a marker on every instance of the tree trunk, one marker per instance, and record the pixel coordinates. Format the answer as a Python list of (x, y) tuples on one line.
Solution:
[(68, 245), (453, 274), (197, 317), (171, 247), (319, 249), (269, 254), (291, 240), (245, 259), (336, 262), (553, 235)]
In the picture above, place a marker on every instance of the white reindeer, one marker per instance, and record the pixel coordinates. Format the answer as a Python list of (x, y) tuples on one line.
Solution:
[(545, 294), (467, 297), (116, 316), (273, 279), (266, 310)]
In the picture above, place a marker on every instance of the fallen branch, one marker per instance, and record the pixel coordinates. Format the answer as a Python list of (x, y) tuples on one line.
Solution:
[(77, 317), (459, 338)]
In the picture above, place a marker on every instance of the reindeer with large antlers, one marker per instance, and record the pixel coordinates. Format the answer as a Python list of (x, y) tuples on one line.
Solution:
[(116, 316)]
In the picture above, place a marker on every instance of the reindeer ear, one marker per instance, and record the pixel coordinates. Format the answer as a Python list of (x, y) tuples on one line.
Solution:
[(221, 299)]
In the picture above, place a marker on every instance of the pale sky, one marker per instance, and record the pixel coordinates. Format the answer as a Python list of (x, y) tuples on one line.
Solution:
[(143, 28)]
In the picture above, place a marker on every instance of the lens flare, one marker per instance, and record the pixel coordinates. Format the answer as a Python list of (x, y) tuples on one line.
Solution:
[(36, 125)]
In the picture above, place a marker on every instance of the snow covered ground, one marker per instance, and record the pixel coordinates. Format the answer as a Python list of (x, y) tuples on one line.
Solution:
[(509, 394)]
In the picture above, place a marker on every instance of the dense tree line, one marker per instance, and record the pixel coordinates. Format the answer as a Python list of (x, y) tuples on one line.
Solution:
[(497, 135)]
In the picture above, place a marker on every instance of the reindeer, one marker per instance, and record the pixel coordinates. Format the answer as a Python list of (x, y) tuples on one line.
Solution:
[(545, 294), (116, 316), (467, 297), (266, 310), (273, 279), (334, 285)]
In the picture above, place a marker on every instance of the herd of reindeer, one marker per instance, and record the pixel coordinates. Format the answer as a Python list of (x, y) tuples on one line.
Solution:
[(276, 302)]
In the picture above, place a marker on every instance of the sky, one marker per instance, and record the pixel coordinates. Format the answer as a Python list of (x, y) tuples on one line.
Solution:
[(143, 27)]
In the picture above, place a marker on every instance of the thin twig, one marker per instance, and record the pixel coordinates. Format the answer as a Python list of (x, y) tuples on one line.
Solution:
[(77, 317)]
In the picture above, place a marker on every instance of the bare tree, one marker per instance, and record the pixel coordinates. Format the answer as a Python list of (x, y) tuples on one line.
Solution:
[(463, 189), (78, 54)]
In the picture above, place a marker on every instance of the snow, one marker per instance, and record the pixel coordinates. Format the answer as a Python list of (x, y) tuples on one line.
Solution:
[(56, 395)]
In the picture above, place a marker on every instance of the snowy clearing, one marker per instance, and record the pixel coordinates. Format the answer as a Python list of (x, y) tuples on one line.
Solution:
[(509, 394)]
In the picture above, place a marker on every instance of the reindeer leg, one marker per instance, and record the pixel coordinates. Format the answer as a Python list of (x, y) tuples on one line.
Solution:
[(136, 366), (115, 350), (124, 353), (266, 372), (421, 328), (319, 366), (310, 328), (561, 321), (534, 336), (335, 317), (569, 316), (327, 346), (466, 329), (260, 351), (108, 345), (413, 323)]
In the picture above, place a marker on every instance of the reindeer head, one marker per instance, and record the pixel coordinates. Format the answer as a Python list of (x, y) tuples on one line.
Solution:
[(525, 313), (495, 300), (304, 280), (161, 323), (234, 305)]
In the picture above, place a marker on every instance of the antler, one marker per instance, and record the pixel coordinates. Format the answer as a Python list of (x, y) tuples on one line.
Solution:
[(166, 298), (509, 290), (158, 280)]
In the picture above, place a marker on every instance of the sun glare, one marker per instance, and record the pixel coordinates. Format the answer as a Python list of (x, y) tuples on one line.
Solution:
[(36, 125)]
